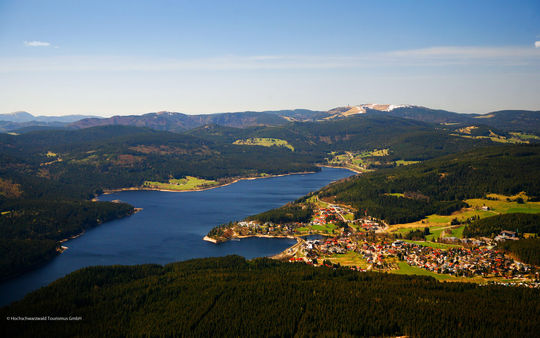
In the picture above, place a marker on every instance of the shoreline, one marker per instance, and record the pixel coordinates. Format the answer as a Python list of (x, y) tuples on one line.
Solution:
[(279, 256), (209, 239), (249, 178), (215, 241)]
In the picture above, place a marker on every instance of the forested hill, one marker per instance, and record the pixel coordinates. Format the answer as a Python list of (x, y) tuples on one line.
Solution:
[(47, 177), (229, 296), (68, 166), (440, 185), (406, 139), (507, 120), (511, 120), (79, 163), (177, 122)]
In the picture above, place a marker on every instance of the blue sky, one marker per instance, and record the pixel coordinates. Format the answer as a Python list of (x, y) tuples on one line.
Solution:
[(132, 57)]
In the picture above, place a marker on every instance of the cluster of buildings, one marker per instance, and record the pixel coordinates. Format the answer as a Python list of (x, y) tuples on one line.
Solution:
[(459, 261), (379, 252), (323, 216), (506, 235), (252, 228), (328, 246)]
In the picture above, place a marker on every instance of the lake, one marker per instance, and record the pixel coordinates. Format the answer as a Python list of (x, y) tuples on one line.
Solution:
[(171, 228)]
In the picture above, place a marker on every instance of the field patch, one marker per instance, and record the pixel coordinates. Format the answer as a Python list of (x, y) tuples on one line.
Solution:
[(183, 184), (265, 142), (350, 258), (503, 206), (406, 269), (402, 162)]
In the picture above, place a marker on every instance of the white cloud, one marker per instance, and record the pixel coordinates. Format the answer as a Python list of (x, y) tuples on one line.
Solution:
[(537, 44), (36, 43), (459, 52), (434, 56)]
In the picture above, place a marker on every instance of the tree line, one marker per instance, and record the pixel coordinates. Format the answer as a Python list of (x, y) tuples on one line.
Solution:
[(407, 194), (230, 296)]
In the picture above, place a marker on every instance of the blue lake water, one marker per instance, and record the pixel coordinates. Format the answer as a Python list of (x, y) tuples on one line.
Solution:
[(171, 226)]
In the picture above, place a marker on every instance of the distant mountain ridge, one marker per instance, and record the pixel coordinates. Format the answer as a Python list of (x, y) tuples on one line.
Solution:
[(178, 122), (22, 121), (22, 116), (506, 120)]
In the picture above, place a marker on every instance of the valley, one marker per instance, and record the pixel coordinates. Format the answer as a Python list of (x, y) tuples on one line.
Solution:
[(453, 202)]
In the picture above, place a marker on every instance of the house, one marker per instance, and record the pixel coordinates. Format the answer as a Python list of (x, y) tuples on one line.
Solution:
[(507, 235)]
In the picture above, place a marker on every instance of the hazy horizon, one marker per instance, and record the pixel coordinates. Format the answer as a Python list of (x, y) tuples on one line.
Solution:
[(240, 111), (107, 58)]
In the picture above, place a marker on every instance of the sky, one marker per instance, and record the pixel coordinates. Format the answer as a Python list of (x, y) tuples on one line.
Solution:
[(133, 57)]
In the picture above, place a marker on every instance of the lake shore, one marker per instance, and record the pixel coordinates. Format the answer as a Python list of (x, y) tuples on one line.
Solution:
[(234, 180)]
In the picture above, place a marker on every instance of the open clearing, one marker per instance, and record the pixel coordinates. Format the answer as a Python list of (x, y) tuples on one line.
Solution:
[(496, 205), (184, 184), (348, 259), (265, 142), (406, 269)]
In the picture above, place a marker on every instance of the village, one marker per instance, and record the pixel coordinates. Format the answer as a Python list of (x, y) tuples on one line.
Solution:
[(335, 237)]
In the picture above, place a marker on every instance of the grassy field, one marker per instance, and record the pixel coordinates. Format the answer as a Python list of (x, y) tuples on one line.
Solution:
[(524, 136), (357, 160), (435, 232), (458, 232), (499, 206), (402, 162), (502, 206), (406, 269), (265, 142), (381, 152), (317, 202), (184, 184), (324, 228), (495, 138), (348, 259)]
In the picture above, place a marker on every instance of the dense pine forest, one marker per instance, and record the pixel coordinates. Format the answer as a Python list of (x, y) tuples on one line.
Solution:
[(30, 229), (526, 250), (287, 214), (440, 185), (230, 296), (490, 226), (67, 167)]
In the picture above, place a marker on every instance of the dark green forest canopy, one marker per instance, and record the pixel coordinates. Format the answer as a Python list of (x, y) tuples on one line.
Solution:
[(288, 213), (30, 229), (440, 185), (80, 163), (69, 165), (230, 296), (407, 139), (518, 222), (526, 250)]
